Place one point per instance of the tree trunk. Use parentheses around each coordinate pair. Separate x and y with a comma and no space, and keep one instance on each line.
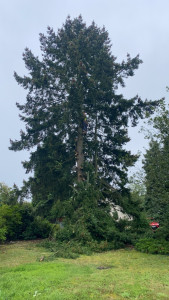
(96,150)
(80,155)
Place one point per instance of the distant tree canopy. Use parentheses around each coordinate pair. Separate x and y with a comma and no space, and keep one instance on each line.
(8,195)
(137,187)
(77,81)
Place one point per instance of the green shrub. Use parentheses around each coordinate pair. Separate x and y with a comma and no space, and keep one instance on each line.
(87,223)
(10,221)
(3,232)
(153,246)
(39,228)
(27,214)
(162,232)
(64,234)
(18,222)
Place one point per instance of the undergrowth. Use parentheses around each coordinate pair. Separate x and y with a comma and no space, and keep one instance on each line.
(74,249)
(153,246)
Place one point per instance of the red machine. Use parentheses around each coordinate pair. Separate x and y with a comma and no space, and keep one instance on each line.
(154,225)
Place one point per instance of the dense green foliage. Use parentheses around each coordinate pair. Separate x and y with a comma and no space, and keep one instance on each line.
(137,187)
(153,246)
(156,169)
(18,219)
(76,125)
(93,226)
(156,182)
(19,222)
(77,74)
(8,195)
(10,220)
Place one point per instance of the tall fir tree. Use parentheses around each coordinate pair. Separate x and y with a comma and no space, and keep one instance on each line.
(156,163)
(77,78)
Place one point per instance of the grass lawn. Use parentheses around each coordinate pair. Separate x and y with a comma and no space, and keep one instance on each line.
(122,274)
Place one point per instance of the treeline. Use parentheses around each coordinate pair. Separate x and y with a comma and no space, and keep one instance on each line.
(151,185)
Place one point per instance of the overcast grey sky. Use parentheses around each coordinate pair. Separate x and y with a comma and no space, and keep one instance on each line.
(134,26)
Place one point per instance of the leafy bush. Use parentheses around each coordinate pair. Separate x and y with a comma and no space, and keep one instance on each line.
(153,246)
(27,214)
(10,221)
(3,232)
(39,228)
(163,231)
(18,222)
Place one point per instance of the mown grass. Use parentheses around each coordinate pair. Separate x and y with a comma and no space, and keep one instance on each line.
(121,274)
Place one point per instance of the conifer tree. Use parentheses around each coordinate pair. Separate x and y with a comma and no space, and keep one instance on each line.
(156,163)
(77,78)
